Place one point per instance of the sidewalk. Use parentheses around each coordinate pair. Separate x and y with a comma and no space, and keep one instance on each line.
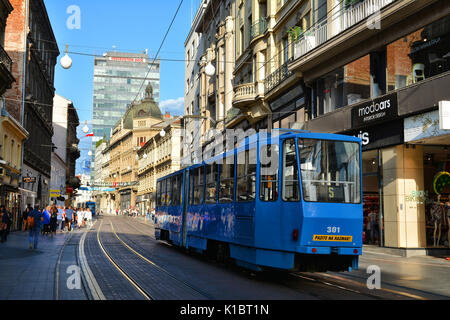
(30,274)
(423,276)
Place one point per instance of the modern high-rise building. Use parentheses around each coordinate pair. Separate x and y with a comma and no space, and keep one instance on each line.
(119,79)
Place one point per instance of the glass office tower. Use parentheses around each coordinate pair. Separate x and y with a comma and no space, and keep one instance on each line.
(118,77)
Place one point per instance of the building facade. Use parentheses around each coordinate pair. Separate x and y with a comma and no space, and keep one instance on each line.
(65,151)
(12,136)
(31,44)
(160,156)
(210,60)
(120,79)
(368,68)
(133,130)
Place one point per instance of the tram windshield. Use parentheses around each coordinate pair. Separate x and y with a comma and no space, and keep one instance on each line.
(330,170)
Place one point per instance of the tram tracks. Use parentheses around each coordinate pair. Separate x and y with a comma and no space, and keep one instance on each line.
(152,281)
(121,245)
(59,274)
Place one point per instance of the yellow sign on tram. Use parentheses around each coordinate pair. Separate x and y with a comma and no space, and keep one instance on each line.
(329,237)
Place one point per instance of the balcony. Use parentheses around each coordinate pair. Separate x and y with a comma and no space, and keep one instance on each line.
(337,24)
(6,77)
(247,93)
(258,28)
(275,78)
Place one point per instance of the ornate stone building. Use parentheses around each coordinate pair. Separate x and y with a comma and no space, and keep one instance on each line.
(133,130)
(31,44)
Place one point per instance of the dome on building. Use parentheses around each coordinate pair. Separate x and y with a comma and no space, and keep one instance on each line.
(144,109)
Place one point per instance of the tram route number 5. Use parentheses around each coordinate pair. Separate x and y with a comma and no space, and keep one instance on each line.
(331,192)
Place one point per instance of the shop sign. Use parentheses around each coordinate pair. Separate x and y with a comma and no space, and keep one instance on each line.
(29,179)
(376,110)
(374,137)
(55,193)
(425,125)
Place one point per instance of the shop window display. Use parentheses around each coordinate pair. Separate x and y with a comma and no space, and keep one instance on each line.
(437,196)
(420,55)
(344,86)
(371,198)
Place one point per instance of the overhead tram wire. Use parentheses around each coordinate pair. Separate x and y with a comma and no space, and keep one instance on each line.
(159,49)
(182,60)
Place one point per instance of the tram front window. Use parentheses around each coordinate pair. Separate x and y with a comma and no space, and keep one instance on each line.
(330,170)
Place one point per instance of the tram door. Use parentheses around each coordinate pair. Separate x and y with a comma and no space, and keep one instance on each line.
(184,203)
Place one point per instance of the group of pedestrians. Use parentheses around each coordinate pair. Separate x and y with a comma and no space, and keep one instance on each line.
(52,219)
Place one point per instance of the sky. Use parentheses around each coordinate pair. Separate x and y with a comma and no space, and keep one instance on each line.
(125,26)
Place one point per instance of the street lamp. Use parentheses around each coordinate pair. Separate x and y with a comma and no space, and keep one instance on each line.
(210,70)
(85,128)
(66,61)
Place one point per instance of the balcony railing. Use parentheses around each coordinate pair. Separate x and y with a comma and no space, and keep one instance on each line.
(258,28)
(246,90)
(275,78)
(336,24)
(5,59)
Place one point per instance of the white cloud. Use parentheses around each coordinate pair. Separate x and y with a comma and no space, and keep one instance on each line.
(174,106)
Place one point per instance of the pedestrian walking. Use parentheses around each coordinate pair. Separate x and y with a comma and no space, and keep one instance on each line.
(53,220)
(76,213)
(59,217)
(3,224)
(46,226)
(88,217)
(69,218)
(80,217)
(35,220)
(9,220)
(25,218)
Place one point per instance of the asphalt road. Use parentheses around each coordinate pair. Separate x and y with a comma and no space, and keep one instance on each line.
(127,263)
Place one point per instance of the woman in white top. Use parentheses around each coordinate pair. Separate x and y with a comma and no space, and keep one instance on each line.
(88,217)
(80,217)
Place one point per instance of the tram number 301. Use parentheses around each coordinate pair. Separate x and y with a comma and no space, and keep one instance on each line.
(333,230)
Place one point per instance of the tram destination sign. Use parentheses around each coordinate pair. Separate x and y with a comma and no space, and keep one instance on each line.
(377,110)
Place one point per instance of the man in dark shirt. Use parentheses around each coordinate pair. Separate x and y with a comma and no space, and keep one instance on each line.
(34,232)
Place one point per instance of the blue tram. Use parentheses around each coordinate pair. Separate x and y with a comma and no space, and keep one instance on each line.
(288,200)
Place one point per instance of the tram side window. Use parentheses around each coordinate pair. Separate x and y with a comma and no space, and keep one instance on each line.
(169,192)
(163,193)
(211,182)
(246,175)
(291,190)
(176,193)
(198,185)
(191,187)
(226,184)
(158,193)
(269,159)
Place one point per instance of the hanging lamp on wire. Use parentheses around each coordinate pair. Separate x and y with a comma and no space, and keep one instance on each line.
(66,61)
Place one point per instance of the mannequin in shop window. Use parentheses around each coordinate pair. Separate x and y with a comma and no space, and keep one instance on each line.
(373,225)
(437,215)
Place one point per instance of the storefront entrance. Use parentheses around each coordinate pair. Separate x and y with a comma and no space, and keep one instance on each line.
(371,198)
